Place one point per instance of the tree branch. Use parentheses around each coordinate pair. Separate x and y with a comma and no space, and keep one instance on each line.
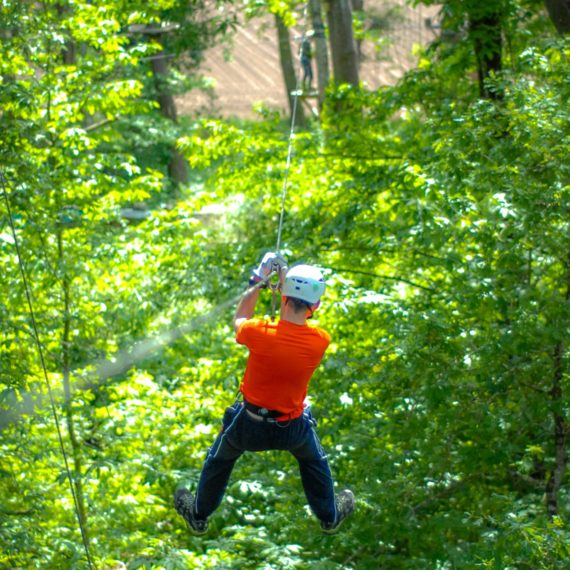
(378,276)
(535,388)
(99,124)
(17,513)
(373,249)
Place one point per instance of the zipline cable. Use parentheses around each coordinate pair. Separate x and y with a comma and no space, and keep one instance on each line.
(291,135)
(27,290)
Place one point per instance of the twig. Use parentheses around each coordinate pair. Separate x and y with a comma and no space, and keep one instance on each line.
(100,124)
(387,277)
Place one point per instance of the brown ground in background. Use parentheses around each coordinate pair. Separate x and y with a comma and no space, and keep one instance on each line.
(253,73)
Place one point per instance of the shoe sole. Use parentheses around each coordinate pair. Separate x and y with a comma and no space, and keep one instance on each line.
(337,527)
(331,531)
(193,531)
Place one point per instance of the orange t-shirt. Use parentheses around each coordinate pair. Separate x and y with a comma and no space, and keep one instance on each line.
(282,359)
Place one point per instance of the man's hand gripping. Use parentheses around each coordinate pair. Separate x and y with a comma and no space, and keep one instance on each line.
(271,264)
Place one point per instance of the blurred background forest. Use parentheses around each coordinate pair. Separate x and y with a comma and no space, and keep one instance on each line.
(431,182)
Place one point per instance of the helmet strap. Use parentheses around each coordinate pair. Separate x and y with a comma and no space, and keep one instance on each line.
(313,308)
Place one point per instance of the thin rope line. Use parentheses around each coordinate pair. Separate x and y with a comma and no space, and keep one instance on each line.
(291,135)
(44,368)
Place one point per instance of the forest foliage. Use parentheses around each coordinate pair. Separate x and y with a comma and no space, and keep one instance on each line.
(438,209)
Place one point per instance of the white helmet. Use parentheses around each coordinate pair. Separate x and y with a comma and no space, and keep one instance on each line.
(304,282)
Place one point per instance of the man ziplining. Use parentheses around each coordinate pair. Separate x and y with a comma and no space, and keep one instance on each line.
(272,415)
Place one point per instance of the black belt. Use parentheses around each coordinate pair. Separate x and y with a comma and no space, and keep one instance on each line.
(263,413)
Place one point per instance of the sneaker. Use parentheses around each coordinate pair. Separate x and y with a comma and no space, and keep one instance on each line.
(184,503)
(344,506)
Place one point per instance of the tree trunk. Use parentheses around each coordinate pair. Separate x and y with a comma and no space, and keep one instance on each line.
(69,50)
(560,428)
(561,457)
(69,57)
(288,67)
(164,97)
(321,52)
(358,6)
(66,372)
(177,167)
(559,11)
(343,46)
(486,33)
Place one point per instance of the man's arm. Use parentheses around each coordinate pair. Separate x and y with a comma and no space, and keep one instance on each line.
(246,307)
(270,264)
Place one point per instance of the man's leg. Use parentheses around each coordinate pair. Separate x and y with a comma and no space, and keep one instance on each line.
(214,478)
(306,73)
(217,468)
(315,472)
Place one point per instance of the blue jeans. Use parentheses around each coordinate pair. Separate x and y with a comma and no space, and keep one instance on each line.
(242,433)
(307,72)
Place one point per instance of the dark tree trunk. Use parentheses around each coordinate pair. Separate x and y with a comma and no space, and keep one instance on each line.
(177,167)
(70,53)
(358,6)
(69,50)
(486,33)
(163,95)
(343,46)
(560,427)
(559,435)
(559,11)
(288,67)
(321,51)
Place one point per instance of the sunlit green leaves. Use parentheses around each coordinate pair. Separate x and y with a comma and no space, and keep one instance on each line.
(441,222)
